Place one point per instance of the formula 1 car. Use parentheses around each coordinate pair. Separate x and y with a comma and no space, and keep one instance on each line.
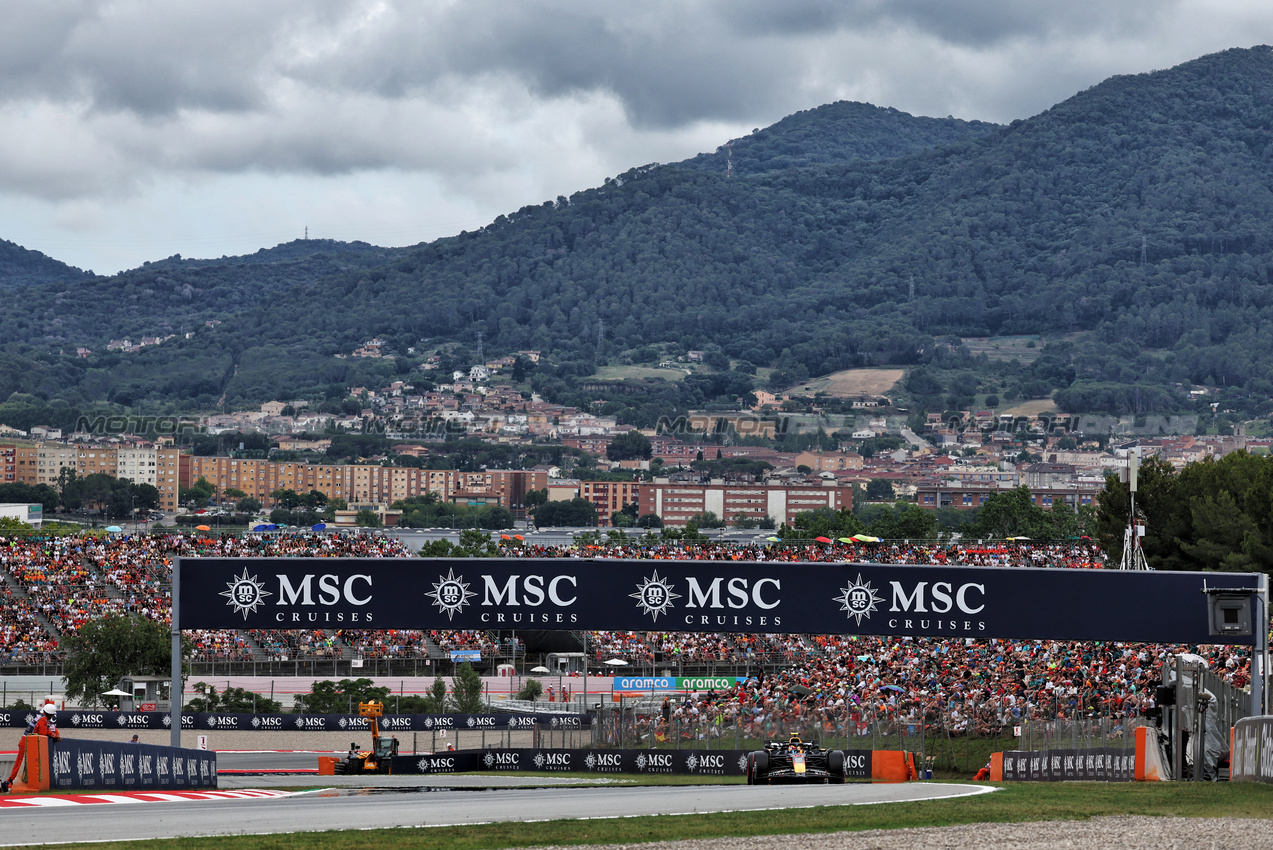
(795,761)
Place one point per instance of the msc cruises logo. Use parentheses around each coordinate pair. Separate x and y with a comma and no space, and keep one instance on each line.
(450,593)
(654,596)
(858,599)
(245,594)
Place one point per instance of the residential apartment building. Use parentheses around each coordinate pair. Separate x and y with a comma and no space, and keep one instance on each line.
(609,497)
(43,464)
(675,502)
(947,494)
(359,483)
(138,465)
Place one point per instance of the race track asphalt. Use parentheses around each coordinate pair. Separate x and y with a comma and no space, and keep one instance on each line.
(334,809)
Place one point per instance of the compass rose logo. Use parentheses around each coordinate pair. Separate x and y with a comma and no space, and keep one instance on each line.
(859,599)
(450,593)
(654,596)
(245,594)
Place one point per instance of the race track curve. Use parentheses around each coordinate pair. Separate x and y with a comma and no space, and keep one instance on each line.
(316,811)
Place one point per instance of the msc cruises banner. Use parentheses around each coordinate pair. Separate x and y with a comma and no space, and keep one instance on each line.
(69,721)
(703,596)
(1098,764)
(677,762)
(102,765)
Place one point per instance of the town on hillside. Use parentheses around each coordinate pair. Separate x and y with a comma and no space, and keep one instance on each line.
(680,473)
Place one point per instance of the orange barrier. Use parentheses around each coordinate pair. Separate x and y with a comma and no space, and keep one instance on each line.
(893,766)
(327,765)
(996,767)
(1149,766)
(36,775)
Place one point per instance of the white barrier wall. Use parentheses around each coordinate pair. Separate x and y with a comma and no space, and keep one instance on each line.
(1252,752)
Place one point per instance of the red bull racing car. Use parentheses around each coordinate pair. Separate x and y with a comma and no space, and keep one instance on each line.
(795,761)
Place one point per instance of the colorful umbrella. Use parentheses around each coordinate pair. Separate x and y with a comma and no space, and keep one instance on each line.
(203,528)
(823,539)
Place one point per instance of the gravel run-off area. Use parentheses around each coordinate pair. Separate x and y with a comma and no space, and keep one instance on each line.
(1124,832)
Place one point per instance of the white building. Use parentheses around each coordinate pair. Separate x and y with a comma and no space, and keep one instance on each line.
(137,465)
(31,514)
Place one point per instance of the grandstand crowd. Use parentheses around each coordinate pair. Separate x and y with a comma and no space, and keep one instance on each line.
(53,585)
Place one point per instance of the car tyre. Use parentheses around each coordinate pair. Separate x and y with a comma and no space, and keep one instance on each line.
(758,768)
(835,767)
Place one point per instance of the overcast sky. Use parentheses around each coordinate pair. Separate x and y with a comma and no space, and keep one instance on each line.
(131,130)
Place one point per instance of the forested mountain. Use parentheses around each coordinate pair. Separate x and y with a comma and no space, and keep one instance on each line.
(1130,226)
(20,266)
(836,133)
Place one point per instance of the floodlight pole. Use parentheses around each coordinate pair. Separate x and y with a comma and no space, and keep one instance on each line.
(175,688)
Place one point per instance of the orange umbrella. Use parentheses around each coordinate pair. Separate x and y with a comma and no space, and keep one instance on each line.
(203,528)
(505,537)
(518,537)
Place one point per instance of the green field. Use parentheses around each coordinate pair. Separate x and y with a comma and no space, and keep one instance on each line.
(1014,803)
(636,373)
(1003,348)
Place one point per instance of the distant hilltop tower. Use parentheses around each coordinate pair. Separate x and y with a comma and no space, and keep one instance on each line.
(481,358)
(729,160)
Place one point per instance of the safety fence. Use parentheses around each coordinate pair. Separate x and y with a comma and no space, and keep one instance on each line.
(944,742)
(1078,734)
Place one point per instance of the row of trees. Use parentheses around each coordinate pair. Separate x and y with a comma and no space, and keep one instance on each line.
(116,498)
(1012,513)
(1211,515)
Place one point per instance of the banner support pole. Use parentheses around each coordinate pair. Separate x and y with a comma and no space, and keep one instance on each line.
(175,690)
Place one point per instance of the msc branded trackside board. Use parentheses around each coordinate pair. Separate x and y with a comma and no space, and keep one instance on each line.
(700,596)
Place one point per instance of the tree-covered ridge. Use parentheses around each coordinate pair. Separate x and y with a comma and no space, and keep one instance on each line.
(1130,226)
(1040,227)
(838,132)
(175,295)
(23,267)
(1211,515)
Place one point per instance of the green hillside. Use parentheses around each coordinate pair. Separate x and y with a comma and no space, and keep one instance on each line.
(1128,227)
(22,267)
(836,133)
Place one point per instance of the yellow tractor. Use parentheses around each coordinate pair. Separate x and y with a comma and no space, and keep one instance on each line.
(379,759)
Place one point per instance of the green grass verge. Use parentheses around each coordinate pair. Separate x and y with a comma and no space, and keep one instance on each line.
(1015,803)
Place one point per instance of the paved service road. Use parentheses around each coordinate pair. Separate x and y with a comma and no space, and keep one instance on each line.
(323,811)
(270,760)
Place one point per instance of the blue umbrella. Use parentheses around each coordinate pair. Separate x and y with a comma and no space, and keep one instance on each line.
(114,529)
(261,527)
(318,527)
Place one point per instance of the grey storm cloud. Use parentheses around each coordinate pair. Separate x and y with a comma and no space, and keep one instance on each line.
(458,110)
(669,63)
(973,23)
